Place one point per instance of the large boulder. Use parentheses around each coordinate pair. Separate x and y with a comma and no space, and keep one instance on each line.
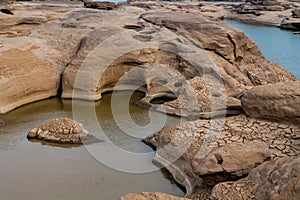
(62,131)
(275,180)
(274,102)
(192,146)
(231,161)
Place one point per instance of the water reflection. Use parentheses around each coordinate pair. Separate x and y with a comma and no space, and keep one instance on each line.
(38,170)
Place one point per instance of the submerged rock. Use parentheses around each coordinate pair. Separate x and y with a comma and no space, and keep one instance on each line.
(64,130)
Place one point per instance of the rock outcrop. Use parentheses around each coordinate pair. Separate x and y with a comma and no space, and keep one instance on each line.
(62,131)
(225,56)
(58,42)
(274,102)
(230,162)
(37,43)
(189,146)
(186,64)
(281,13)
(277,179)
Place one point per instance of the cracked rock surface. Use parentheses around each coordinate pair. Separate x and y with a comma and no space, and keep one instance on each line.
(63,131)
(187,65)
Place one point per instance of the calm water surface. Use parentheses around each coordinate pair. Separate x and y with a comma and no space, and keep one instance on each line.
(280,46)
(35,171)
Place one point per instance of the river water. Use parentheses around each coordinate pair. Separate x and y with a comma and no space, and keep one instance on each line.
(35,170)
(280,46)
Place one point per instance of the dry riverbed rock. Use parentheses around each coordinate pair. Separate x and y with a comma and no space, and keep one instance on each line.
(198,145)
(63,131)
(55,40)
(231,161)
(101,5)
(278,102)
(150,196)
(280,13)
(278,179)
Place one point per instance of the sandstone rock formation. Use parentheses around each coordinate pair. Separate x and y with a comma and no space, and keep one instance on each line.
(58,42)
(35,48)
(186,64)
(276,13)
(150,196)
(276,102)
(225,57)
(231,161)
(63,131)
(277,179)
(185,145)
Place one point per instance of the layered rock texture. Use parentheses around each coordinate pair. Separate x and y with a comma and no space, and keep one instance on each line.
(245,108)
(63,131)
(74,49)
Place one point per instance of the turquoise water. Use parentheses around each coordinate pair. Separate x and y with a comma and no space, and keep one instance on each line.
(279,46)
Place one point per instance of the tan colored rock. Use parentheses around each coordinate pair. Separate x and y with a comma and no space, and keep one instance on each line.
(273,102)
(150,196)
(188,141)
(62,131)
(275,13)
(38,42)
(231,44)
(101,5)
(231,161)
(275,180)
(226,59)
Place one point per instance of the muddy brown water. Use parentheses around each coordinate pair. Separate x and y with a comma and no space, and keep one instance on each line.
(34,170)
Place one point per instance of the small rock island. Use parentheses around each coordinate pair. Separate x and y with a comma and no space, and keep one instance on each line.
(63,131)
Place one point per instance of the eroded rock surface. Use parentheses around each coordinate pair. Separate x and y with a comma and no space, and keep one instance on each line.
(192,141)
(281,13)
(277,179)
(186,64)
(64,131)
(274,102)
